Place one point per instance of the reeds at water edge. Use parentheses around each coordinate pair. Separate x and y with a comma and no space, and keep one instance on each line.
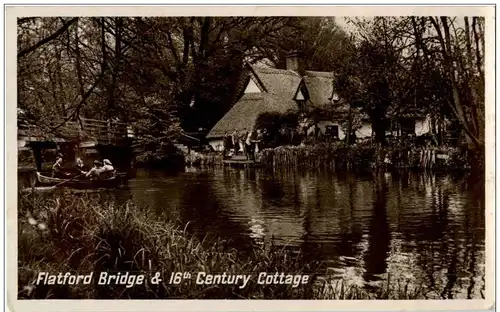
(88,233)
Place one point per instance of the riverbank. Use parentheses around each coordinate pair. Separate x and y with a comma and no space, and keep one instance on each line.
(340,156)
(90,233)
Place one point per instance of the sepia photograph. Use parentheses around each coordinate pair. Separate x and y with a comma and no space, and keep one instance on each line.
(252,157)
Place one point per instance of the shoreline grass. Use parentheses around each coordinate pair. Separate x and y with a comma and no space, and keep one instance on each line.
(83,234)
(340,156)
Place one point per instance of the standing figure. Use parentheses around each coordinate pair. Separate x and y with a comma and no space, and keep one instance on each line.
(258,139)
(227,143)
(249,142)
(241,140)
(235,138)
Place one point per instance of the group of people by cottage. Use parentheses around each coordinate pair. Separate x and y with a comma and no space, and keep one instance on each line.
(100,170)
(242,142)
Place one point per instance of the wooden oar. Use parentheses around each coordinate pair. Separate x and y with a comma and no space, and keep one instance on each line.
(58,184)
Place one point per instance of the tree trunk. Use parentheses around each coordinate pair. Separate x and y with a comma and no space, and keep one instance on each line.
(468,44)
(479,43)
(79,72)
(103,50)
(116,68)
(456,104)
(349,126)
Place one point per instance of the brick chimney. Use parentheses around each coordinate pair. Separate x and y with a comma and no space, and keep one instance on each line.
(295,61)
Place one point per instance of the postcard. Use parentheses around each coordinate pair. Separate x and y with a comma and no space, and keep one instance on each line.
(196,158)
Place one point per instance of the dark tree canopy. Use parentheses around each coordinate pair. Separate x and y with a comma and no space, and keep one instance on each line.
(398,65)
(175,74)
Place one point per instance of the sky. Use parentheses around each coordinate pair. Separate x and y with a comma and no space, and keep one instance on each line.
(341,21)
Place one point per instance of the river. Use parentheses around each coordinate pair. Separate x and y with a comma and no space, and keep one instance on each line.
(418,229)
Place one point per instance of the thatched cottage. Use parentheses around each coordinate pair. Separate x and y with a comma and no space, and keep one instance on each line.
(283,90)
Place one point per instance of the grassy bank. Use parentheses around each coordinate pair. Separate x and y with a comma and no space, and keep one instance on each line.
(85,233)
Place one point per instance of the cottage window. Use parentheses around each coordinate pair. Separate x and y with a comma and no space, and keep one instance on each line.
(332,130)
(407,126)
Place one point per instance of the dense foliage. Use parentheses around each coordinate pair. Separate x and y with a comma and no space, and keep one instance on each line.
(418,65)
(166,75)
(175,73)
(279,129)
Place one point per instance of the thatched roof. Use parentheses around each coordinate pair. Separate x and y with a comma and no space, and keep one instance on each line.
(280,87)
(278,81)
(245,112)
(320,87)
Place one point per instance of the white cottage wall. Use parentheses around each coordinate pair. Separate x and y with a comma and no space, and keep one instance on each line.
(217,144)
(422,126)
(365,131)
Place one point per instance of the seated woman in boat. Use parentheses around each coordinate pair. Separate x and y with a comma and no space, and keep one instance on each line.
(79,165)
(78,169)
(107,171)
(94,173)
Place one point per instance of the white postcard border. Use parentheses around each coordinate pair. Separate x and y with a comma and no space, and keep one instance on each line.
(12,12)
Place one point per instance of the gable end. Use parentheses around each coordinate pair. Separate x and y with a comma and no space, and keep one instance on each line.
(253,86)
(301,94)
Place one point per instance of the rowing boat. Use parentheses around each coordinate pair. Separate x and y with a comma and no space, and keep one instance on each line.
(112,182)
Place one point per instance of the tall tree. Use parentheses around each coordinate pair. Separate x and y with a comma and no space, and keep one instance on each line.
(464,71)
(203,57)
(426,63)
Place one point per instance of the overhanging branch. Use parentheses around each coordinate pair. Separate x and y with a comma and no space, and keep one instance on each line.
(47,39)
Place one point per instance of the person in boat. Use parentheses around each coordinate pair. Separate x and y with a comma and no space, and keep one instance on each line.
(57,166)
(79,166)
(107,171)
(94,173)
(107,165)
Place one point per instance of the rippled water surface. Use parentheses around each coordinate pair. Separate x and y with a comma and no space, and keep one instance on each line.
(418,229)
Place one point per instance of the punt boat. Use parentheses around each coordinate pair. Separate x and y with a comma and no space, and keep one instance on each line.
(81,183)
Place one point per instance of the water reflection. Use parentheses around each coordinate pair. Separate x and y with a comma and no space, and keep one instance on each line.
(414,228)
(379,235)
